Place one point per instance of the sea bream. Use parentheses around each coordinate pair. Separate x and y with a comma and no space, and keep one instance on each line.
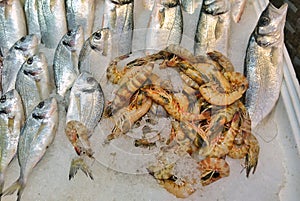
(24,48)
(84,112)
(12,23)
(32,19)
(264,63)
(65,63)
(11,122)
(36,136)
(81,12)
(212,31)
(33,82)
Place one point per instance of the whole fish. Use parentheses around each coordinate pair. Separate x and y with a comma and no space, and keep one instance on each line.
(24,48)
(264,63)
(118,17)
(65,63)
(12,23)
(237,9)
(165,26)
(95,54)
(36,136)
(32,19)
(81,12)
(52,20)
(84,112)
(212,31)
(33,82)
(11,122)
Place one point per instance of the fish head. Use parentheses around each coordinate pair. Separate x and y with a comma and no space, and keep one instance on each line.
(101,40)
(27,46)
(269,28)
(45,109)
(9,101)
(34,65)
(169,3)
(86,83)
(216,7)
(73,40)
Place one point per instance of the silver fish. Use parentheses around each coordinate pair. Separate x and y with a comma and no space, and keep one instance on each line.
(32,20)
(36,136)
(24,48)
(212,31)
(165,26)
(237,9)
(33,82)
(52,20)
(264,63)
(81,12)
(65,62)
(96,53)
(84,112)
(118,17)
(11,122)
(12,23)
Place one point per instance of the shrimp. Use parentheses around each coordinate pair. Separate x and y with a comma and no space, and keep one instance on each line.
(213,169)
(221,59)
(179,189)
(112,72)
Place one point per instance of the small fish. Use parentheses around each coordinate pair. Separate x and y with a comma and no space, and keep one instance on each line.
(81,12)
(11,122)
(264,63)
(52,20)
(237,9)
(212,31)
(65,63)
(36,136)
(24,48)
(32,20)
(84,112)
(118,17)
(12,23)
(165,26)
(33,82)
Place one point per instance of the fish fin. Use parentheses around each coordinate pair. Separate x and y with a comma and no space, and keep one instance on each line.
(78,163)
(17,185)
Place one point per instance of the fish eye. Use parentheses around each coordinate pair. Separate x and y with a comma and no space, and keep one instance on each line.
(65,43)
(22,39)
(3,99)
(41,104)
(264,21)
(69,33)
(98,35)
(29,60)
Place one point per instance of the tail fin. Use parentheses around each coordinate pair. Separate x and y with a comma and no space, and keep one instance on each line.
(18,185)
(79,163)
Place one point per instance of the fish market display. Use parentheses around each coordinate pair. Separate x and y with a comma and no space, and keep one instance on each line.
(65,63)
(36,136)
(264,63)
(24,48)
(237,9)
(11,122)
(32,18)
(81,13)
(33,82)
(52,20)
(118,17)
(12,23)
(165,26)
(213,27)
(84,112)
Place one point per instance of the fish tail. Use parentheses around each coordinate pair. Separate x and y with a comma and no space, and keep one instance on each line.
(18,185)
(79,163)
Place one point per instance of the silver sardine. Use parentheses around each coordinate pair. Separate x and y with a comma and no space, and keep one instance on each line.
(36,136)
(81,12)
(12,23)
(84,112)
(32,20)
(65,63)
(33,82)
(24,48)
(165,26)
(212,31)
(11,122)
(264,63)
(52,20)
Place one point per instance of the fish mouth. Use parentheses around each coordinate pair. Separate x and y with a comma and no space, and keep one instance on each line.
(120,2)
(4,111)
(32,73)
(38,116)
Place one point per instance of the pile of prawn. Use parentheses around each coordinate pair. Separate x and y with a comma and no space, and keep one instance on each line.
(209,121)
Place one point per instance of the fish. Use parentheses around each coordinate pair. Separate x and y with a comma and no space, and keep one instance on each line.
(165,26)
(52,20)
(95,54)
(237,9)
(66,56)
(11,122)
(84,112)
(118,17)
(81,12)
(24,48)
(212,32)
(264,63)
(32,18)
(33,82)
(12,23)
(36,136)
